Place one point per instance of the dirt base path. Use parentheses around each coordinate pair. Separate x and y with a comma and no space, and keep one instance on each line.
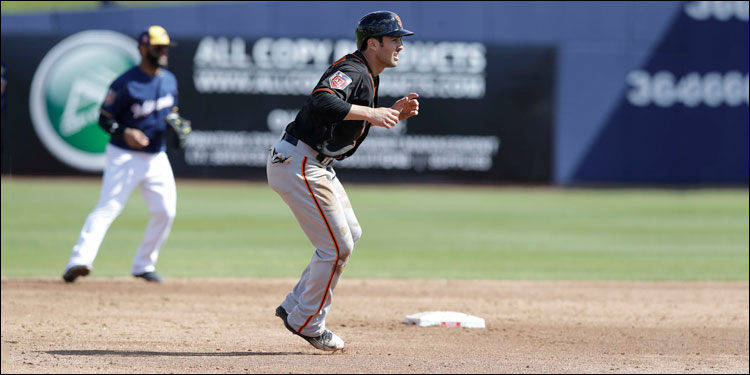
(114,325)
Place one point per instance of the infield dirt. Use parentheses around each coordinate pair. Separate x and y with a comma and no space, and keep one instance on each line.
(119,325)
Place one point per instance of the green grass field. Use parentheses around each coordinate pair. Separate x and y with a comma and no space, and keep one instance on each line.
(245,230)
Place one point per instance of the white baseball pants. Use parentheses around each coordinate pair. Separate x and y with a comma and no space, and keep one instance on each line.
(124,171)
(322,208)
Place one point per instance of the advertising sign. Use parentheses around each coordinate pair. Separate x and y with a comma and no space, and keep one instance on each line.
(485,111)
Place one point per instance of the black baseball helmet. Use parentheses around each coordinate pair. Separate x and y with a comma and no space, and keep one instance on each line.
(380,23)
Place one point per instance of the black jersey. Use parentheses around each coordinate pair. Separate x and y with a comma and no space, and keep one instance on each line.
(320,123)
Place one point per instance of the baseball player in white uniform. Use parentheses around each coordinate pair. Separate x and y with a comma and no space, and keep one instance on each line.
(135,113)
(331,126)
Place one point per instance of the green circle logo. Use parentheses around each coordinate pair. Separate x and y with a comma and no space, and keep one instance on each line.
(68,89)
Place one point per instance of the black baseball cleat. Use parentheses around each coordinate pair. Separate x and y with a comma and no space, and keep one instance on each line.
(327,341)
(152,277)
(73,272)
(281,313)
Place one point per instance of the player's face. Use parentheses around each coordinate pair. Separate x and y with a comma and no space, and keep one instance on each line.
(158,56)
(388,52)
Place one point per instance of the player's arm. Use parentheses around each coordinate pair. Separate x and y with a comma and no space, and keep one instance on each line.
(330,99)
(113,104)
(132,136)
(404,108)
(337,109)
(381,116)
(109,124)
(327,103)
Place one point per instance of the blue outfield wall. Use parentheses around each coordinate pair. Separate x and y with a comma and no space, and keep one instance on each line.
(644,92)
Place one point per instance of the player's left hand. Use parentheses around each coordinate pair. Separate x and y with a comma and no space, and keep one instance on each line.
(180,126)
(407,106)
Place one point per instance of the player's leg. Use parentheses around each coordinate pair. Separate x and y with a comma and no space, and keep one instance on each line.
(306,188)
(279,175)
(160,193)
(351,219)
(355,229)
(120,177)
(292,298)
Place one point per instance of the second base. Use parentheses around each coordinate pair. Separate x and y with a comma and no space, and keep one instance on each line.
(445,319)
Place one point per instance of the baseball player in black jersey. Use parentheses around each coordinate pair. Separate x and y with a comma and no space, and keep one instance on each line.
(331,126)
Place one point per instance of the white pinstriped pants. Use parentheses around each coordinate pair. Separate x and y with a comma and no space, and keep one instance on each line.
(322,208)
(125,170)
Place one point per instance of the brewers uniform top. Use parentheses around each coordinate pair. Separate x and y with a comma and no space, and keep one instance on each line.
(320,123)
(138,100)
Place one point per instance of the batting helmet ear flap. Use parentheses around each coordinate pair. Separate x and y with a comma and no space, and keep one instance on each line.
(380,23)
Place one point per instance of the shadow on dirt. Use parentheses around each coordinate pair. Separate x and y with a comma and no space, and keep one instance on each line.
(141,353)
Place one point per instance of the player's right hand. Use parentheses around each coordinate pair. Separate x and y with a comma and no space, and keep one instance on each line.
(384,117)
(135,138)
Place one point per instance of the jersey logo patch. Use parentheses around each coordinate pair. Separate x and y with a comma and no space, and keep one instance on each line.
(111,95)
(339,80)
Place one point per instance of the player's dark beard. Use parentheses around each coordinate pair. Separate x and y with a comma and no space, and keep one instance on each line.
(154,58)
